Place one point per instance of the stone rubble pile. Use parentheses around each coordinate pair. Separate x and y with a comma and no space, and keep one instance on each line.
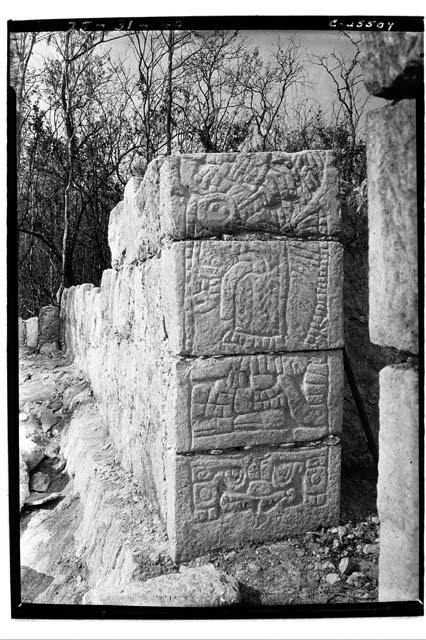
(213,346)
(393,69)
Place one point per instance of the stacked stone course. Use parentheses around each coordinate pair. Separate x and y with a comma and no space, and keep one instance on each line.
(393,68)
(214,344)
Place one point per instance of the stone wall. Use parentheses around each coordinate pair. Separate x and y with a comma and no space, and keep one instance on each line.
(393,69)
(214,344)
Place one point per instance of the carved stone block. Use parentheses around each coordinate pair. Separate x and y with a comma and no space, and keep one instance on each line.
(392,63)
(392,212)
(398,484)
(204,195)
(252,296)
(261,399)
(32,332)
(291,194)
(233,498)
(48,326)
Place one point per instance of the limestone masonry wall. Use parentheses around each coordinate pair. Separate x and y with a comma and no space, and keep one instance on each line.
(393,68)
(214,344)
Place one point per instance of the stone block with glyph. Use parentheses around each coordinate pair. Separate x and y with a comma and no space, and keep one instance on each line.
(219,331)
(294,195)
(253,296)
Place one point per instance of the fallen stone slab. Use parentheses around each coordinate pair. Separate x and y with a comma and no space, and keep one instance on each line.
(392,63)
(36,499)
(31,326)
(35,391)
(203,586)
(398,484)
(229,499)
(203,195)
(392,213)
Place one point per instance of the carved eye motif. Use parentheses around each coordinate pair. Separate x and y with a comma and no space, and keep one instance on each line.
(215,210)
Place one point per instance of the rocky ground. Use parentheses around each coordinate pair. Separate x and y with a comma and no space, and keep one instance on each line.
(338,564)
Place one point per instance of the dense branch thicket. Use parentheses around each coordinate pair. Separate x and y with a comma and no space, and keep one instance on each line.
(90,114)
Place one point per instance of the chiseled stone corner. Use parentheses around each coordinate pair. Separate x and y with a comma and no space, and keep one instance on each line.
(392,63)
(229,499)
(202,195)
(257,400)
(392,212)
(291,194)
(398,484)
(224,298)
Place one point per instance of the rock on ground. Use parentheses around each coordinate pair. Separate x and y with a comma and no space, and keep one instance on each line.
(199,587)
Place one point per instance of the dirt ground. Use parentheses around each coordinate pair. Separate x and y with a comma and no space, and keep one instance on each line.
(335,565)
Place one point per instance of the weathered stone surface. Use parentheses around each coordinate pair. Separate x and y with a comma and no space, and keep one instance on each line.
(392,196)
(252,296)
(48,326)
(24,490)
(262,399)
(202,195)
(22,332)
(398,484)
(39,482)
(35,391)
(198,587)
(31,452)
(32,332)
(229,499)
(392,63)
(48,419)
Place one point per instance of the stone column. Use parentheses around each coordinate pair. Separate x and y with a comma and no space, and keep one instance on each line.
(214,344)
(392,65)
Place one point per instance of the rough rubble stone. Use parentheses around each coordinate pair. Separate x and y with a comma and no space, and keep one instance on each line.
(392,63)
(204,195)
(39,482)
(48,419)
(398,484)
(252,296)
(48,328)
(392,204)
(32,332)
(31,452)
(229,499)
(22,332)
(203,586)
(260,399)
(35,391)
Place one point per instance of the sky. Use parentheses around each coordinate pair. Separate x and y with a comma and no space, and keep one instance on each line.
(319,88)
